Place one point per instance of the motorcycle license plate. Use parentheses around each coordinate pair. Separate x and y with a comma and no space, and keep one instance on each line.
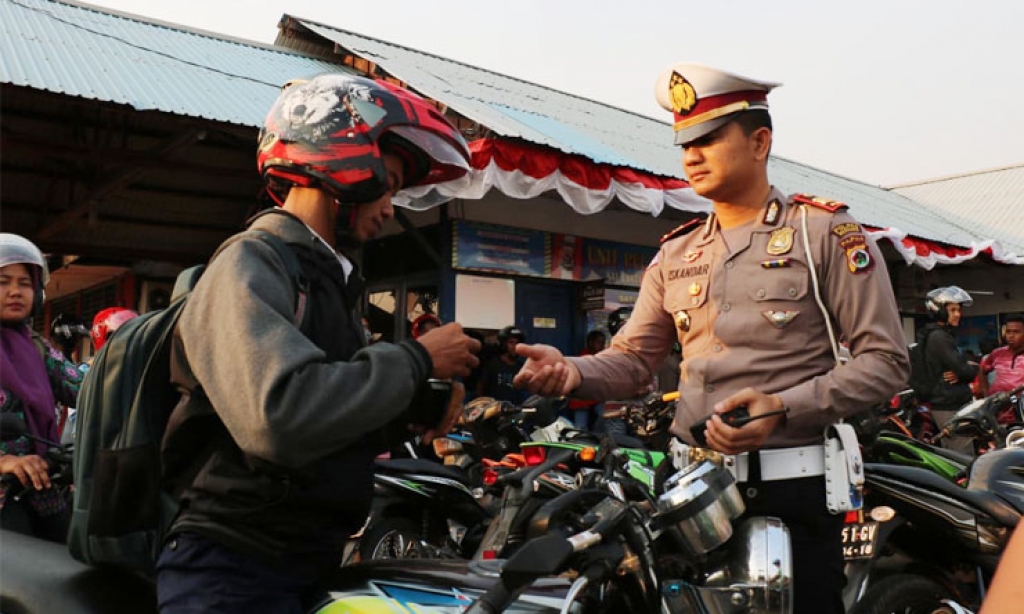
(859,540)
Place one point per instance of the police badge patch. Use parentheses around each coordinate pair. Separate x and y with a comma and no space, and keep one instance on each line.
(781,241)
(858,257)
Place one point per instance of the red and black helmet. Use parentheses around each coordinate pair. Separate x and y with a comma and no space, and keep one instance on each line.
(329,133)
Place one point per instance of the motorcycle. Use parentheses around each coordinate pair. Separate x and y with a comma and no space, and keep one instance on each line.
(612,547)
(58,458)
(425,509)
(923,538)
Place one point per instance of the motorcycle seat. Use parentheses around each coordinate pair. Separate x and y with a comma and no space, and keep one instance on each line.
(40,576)
(989,503)
(422,466)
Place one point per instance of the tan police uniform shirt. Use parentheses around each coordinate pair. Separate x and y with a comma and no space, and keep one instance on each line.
(746,316)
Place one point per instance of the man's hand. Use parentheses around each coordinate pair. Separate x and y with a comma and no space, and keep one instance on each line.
(546,372)
(31,470)
(729,440)
(451,415)
(451,350)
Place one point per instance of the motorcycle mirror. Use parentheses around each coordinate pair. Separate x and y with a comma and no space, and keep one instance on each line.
(12,426)
(545,409)
(543,556)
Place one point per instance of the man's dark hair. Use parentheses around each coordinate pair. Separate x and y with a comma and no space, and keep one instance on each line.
(594,334)
(1014,317)
(749,121)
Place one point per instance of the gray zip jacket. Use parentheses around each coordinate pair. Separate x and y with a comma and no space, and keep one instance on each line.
(292,471)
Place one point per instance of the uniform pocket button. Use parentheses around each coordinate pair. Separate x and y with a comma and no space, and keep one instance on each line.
(709,388)
(761,293)
(792,291)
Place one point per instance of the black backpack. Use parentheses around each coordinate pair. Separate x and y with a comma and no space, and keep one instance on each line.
(121,508)
(922,380)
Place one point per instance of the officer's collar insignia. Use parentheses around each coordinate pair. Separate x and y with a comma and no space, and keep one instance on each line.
(771,214)
(682,94)
(779,319)
(710,225)
(781,241)
(692,256)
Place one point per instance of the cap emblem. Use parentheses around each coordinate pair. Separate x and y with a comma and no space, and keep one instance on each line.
(682,94)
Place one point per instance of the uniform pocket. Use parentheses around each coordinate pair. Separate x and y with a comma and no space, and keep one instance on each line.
(779,285)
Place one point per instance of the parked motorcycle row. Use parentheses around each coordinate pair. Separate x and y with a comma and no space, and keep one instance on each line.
(523,513)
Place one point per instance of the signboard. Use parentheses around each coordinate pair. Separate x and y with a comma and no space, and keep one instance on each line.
(619,264)
(484,302)
(499,249)
(591,295)
(502,249)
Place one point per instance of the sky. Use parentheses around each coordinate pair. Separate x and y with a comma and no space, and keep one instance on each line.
(882,91)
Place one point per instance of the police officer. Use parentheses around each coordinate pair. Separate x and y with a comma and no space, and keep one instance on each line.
(740,291)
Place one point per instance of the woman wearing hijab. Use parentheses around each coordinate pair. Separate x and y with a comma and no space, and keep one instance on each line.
(34,377)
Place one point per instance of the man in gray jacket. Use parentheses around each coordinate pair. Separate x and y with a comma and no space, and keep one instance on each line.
(273,442)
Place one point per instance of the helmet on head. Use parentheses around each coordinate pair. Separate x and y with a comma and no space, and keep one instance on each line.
(618,318)
(511,331)
(16,249)
(419,323)
(331,132)
(66,330)
(107,321)
(938,299)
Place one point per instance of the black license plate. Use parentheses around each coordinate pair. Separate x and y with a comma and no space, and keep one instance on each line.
(859,540)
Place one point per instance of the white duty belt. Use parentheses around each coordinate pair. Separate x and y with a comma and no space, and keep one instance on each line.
(776,464)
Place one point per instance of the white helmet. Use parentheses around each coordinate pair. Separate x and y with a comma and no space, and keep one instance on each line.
(938,298)
(16,249)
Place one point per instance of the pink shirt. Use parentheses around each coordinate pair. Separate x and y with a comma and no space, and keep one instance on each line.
(1009,368)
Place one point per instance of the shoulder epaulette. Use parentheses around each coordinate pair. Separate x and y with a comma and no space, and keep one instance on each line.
(683,229)
(817,201)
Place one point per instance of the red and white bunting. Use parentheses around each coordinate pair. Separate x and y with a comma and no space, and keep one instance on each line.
(524,170)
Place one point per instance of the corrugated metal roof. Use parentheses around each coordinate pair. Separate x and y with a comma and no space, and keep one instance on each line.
(991,199)
(515,108)
(82,51)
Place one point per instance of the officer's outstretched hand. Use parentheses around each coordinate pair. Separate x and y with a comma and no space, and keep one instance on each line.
(546,372)
(729,440)
(451,350)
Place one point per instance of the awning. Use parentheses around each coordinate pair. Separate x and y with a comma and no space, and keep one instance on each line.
(926,254)
(524,170)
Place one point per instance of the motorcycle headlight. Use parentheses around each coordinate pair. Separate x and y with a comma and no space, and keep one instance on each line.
(758,575)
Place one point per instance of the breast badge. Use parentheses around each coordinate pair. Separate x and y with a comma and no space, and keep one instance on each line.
(776,263)
(682,320)
(781,241)
(858,257)
(779,319)
(694,289)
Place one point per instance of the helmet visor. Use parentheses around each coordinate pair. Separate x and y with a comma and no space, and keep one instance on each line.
(447,160)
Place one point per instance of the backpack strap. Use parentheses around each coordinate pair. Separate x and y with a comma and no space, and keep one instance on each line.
(291,264)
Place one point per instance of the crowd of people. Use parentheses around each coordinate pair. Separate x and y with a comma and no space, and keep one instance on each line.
(303,407)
